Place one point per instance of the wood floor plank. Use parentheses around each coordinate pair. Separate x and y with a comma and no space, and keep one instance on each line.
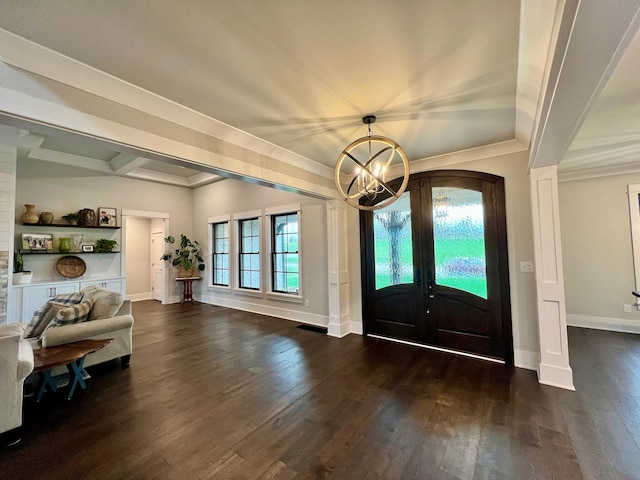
(217,393)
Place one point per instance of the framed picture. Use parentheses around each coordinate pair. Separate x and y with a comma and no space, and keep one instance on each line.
(107,217)
(37,241)
(87,248)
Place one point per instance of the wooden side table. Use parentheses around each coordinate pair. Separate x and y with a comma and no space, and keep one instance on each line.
(70,354)
(187,288)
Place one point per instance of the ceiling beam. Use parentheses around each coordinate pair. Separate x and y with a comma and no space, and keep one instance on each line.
(123,163)
(592,39)
(151,176)
(69,159)
(539,23)
(202,178)
(28,56)
(18,137)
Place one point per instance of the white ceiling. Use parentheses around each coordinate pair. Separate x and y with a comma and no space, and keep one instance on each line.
(441,76)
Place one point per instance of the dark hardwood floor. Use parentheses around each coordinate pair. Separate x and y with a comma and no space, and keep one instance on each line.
(216,393)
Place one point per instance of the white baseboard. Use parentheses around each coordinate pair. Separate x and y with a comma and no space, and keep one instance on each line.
(603,323)
(527,360)
(173,299)
(560,377)
(269,310)
(338,331)
(356,327)
(137,297)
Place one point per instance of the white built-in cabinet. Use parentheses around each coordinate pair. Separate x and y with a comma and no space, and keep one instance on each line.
(27,299)
(104,270)
(33,297)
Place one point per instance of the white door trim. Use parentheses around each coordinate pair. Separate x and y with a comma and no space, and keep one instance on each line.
(128,213)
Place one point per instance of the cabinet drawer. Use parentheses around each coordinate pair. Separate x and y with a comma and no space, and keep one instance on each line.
(115,285)
(35,297)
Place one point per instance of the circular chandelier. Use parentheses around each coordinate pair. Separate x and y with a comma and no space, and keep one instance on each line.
(367,178)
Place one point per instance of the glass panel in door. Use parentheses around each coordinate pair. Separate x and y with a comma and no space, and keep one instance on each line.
(458,238)
(392,243)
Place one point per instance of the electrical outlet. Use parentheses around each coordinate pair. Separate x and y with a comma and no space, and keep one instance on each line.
(526,267)
(626,308)
(306,302)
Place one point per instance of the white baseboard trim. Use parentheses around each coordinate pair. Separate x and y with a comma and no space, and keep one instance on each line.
(338,330)
(560,377)
(137,297)
(271,311)
(526,359)
(173,299)
(603,323)
(356,327)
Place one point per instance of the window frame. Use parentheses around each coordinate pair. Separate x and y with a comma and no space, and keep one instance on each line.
(270,213)
(212,222)
(237,220)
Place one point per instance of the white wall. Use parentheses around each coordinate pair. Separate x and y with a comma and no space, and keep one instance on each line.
(513,167)
(138,258)
(60,189)
(232,196)
(596,245)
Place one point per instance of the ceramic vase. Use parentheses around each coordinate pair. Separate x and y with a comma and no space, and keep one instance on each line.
(65,244)
(46,218)
(30,216)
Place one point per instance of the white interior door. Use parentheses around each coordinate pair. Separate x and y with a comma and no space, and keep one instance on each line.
(157,266)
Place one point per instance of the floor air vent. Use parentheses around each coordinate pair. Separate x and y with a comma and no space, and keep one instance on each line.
(313,328)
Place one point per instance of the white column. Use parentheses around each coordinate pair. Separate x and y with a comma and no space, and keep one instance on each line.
(338,268)
(7,227)
(554,366)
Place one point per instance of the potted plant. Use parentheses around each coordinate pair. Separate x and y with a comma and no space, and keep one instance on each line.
(20,275)
(72,218)
(186,257)
(105,245)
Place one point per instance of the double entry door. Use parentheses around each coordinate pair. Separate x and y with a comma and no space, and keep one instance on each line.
(434,265)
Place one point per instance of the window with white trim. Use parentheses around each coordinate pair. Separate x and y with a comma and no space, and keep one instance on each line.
(285,254)
(220,253)
(249,253)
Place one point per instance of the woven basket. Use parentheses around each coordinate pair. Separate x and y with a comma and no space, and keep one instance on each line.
(182,273)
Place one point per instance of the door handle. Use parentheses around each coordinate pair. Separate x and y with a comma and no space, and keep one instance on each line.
(430,284)
(418,278)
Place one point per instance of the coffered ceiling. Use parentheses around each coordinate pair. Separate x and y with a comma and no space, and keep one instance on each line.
(441,77)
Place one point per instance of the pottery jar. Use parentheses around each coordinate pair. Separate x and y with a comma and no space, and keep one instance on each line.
(30,216)
(46,218)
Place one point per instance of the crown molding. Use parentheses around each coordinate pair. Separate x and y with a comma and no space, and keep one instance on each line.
(597,172)
(472,154)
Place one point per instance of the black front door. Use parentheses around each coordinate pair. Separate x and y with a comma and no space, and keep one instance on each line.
(435,266)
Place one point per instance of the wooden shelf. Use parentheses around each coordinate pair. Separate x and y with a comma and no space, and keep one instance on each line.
(55,252)
(67,225)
